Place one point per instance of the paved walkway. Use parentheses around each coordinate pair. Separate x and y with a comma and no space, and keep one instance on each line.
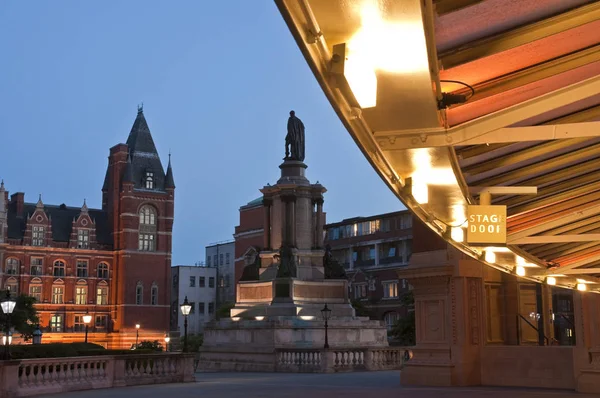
(285,385)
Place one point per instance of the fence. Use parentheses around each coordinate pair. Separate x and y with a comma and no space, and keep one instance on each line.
(29,377)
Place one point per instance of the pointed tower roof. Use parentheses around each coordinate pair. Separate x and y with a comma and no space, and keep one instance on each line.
(128,175)
(84,208)
(39,204)
(143,154)
(106,178)
(169,182)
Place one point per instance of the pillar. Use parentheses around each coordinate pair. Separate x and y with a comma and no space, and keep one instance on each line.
(587,350)
(319,229)
(449,301)
(267,224)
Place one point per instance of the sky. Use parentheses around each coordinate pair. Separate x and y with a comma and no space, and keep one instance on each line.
(217,80)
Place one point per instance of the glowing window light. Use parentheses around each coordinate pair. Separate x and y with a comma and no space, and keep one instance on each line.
(457,234)
(551,280)
(520,270)
(420,192)
(490,256)
(582,287)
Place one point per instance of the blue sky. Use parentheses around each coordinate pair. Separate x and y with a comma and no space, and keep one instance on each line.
(217,80)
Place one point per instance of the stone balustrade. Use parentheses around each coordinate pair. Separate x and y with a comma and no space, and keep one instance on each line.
(29,377)
(339,359)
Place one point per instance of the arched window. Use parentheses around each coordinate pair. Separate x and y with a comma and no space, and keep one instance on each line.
(149,179)
(35,289)
(102,293)
(81,291)
(12,266)
(147,231)
(102,271)
(390,319)
(58,292)
(154,294)
(59,269)
(139,293)
(12,285)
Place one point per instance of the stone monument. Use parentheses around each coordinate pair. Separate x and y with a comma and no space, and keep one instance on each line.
(281,294)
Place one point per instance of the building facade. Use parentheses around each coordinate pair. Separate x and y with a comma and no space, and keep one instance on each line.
(113,262)
(222,256)
(249,236)
(199,285)
(372,249)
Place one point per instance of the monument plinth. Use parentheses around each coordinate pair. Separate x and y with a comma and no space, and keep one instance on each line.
(282,292)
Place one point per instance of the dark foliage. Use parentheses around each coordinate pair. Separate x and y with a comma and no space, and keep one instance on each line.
(24,317)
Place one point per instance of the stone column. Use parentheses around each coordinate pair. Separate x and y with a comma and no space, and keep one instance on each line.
(319,231)
(449,296)
(587,350)
(267,224)
(284,221)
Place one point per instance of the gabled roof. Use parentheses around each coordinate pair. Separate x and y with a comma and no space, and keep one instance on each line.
(144,156)
(62,221)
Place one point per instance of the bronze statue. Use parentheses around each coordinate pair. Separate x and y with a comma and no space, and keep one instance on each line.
(294,140)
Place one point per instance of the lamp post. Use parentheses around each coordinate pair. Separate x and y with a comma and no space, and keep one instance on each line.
(37,335)
(185,310)
(87,318)
(326,313)
(8,306)
(137,334)
(167,339)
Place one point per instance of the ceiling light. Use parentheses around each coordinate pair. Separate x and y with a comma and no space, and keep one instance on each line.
(490,256)
(457,234)
(420,192)
(551,280)
(520,270)
(582,287)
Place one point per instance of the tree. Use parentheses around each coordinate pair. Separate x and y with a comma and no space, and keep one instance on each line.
(24,317)
(404,331)
(359,308)
(150,345)
(194,342)
(224,310)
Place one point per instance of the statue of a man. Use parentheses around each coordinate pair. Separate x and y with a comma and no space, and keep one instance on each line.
(294,140)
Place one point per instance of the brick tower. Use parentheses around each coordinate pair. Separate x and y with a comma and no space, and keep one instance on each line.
(138,197)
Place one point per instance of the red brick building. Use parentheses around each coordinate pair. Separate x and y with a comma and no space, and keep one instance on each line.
(112,262)
(249,235)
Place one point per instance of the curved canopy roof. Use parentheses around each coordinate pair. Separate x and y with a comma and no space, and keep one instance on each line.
(468,96)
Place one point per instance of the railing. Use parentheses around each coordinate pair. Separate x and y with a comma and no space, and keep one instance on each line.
(55,375)
(339,360)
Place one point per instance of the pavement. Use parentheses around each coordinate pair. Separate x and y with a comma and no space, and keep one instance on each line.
(292,385)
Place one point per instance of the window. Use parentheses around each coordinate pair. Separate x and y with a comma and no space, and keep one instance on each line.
(404,283)
(192,307)
(12,286)
(192,281)
(211,308)
(201,281)
(211,282)
(12,266)
(83,239)
(102,271)
(56,323)
(59,268)
(78,324)
(147,232)
(390,319)
(139,293)
(221,259)
(35,291)
(58,294)
(37,235)
(201,307)
(360,291)
(80,295)
(154,295)
(372,284)
(82,269)
(149,179)
(390,289)
(216,261)
(226,258)
(102,293)
(101,321)
(208,258)
(37,266)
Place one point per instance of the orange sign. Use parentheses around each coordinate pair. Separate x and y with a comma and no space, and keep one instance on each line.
(487,224)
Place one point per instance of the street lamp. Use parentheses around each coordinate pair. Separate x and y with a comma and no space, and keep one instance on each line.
(37,335)
(326,313)
(167,339)
(8,306)
(185,310)
(137,334)
(87,318)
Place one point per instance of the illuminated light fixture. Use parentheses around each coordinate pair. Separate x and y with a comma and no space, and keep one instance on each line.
(358,78)
(582,287)
(307,317)
(520,270)
(551,280)
(490,256)
(259,318)
(520,261)
(457,234)
(497,249)
(420,192)
(235,318)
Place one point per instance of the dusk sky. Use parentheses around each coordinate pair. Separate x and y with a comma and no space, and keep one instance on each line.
(217,80)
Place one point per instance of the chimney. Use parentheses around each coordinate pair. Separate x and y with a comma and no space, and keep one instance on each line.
(18,199)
